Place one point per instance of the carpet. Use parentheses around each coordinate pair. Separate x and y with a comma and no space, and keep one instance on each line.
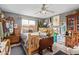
(60,53)
(17,50)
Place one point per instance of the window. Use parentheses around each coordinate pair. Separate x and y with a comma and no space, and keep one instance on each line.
(24,22)
(28,25)
(31,22)
(28,22)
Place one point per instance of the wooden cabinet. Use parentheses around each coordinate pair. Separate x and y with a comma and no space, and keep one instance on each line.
(15,38)
(73,22)
(73,26)
(77,21)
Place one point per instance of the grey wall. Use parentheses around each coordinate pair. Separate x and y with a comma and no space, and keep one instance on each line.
(62,20)
(18,18)
(63,16)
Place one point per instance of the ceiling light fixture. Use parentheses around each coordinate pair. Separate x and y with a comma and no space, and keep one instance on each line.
(43,12)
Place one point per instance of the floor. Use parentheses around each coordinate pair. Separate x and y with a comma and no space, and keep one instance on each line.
(18,50)
(58,47)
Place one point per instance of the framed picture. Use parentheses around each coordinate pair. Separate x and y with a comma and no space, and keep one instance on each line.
(56,20)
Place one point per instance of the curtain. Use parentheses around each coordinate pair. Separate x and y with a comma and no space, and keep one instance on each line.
(1,30)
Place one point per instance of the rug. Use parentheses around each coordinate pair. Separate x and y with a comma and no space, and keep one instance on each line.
(17,50)
(60,53)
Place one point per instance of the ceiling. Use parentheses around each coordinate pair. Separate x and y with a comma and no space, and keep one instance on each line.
(32,9)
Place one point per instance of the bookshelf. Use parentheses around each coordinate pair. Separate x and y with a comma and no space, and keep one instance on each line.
(73,22)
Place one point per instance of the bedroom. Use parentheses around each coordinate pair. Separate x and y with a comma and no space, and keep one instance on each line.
(34,27)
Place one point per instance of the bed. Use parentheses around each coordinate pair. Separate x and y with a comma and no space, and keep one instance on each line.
(30,41)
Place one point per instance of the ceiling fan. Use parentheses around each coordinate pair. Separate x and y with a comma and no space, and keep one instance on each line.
(44,10)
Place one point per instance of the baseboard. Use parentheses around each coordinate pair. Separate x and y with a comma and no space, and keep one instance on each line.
(17,44)
(24,49)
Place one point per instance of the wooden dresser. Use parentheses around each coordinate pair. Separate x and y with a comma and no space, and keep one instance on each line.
(15,38)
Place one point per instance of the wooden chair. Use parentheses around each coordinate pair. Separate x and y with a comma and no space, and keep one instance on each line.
(33,43)
(7,47)
(72,40)
(75,35)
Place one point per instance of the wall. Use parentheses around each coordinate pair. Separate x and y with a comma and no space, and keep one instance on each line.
(62,26)
(63,16)
(62,20)
(18,18)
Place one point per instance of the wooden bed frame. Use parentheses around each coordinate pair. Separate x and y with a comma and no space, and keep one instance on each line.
(45,43)
(33,43)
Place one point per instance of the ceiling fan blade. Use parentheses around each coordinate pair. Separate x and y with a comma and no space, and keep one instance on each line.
(37,12)
(50,11)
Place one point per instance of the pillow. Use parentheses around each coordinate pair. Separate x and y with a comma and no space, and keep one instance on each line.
(24,30)
(43,34)
(35,33)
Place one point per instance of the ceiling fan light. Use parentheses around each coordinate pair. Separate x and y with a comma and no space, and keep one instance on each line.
(43,12)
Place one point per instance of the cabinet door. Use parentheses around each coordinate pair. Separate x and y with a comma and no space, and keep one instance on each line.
(78,23)
(71,23)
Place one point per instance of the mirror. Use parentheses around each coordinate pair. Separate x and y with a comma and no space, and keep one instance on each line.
(10,25)
(1,32)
